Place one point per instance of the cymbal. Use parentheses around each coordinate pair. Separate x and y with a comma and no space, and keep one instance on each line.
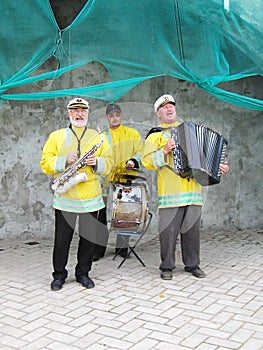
(124,174)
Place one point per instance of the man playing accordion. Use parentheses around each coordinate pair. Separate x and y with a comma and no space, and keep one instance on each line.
(179,198)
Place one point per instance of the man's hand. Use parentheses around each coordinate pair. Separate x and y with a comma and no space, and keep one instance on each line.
(72,157)
(169,146)
(91,160)
(224,168)
(130,164)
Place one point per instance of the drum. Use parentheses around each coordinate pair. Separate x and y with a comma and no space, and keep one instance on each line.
(127,206)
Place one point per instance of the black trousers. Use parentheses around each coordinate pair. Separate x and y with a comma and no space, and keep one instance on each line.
(65,224)
(102,234)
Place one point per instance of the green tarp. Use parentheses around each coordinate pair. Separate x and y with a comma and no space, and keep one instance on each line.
(205,42)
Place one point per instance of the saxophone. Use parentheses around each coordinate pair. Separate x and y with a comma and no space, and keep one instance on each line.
(70,176)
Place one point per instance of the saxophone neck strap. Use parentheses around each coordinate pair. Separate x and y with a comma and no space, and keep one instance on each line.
(78,139)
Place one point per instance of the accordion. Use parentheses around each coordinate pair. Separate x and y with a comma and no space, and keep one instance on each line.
(199,152)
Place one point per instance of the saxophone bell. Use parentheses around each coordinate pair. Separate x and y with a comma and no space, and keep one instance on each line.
(60,188)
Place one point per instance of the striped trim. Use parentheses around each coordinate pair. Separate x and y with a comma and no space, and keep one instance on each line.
(179,200)
(105,191)
(68,137)
(101,165)
(78,206)
(108,135)
(158,159)
(138,157)
(60,163)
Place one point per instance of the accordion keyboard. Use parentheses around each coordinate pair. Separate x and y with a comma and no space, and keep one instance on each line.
(200,152)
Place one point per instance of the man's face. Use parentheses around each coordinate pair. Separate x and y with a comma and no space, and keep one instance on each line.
(114,119)
(167,113)
(78,117)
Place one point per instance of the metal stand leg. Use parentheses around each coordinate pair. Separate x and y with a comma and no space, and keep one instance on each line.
(132,249)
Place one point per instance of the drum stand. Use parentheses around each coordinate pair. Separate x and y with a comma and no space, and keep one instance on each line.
(131,248)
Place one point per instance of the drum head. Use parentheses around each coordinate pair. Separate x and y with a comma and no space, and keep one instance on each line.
(127,206)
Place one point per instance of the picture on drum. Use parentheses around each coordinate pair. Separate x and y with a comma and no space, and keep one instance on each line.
(129,194)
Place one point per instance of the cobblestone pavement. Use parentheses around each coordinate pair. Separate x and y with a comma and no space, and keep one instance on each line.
(131,308)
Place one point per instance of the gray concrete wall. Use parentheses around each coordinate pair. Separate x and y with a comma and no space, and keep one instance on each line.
(25,199)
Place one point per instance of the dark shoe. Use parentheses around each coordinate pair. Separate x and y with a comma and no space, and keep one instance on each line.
(124,255)
(57,284)
(85,281)
(197,272)
(167,274)
(123,252)
(97,258)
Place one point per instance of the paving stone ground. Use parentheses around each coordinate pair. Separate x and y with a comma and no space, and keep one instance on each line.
(131,308)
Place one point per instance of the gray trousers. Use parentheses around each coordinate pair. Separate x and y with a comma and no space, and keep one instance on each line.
(186,221)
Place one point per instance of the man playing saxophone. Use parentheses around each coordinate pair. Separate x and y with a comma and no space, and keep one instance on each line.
(75,152)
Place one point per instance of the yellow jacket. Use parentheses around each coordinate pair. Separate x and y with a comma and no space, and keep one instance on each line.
(173,190)
(126,143)
(85,196)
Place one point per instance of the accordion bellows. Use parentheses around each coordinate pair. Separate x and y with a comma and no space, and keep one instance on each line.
(199,153)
